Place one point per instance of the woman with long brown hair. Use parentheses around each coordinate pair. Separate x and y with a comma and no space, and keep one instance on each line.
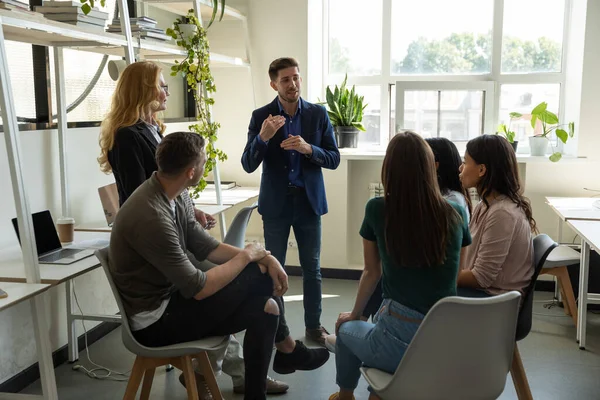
(412,238)
(501,256)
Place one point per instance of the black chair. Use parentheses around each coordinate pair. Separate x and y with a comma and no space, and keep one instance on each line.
(542,247)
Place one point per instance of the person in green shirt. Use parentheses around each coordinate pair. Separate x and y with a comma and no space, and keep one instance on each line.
(412,239)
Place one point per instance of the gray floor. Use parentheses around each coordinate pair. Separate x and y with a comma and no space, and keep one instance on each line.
(555,366)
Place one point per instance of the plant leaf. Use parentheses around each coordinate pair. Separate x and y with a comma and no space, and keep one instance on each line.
(86,8)
(501,128)
(533,120)
(562,135)
(222,10)
(214,13)
(571,129)
(555,157)
(548,117)
(514,115)
(539,108)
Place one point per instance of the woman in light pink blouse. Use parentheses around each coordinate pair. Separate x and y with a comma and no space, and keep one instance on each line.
(500,258)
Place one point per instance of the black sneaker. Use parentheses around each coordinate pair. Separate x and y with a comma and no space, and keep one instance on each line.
(302,359)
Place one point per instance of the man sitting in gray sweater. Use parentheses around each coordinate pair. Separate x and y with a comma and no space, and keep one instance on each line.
(168,300)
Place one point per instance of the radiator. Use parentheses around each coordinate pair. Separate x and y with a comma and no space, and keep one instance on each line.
(375,190)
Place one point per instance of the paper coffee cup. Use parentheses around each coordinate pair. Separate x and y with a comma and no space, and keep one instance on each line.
(66,228)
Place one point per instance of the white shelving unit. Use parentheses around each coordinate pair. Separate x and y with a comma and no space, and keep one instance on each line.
(33,28)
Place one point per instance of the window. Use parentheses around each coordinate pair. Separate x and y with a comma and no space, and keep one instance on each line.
(436,72)
(425,42)
(347,50)
(457,111)
(532,44)
(20,68)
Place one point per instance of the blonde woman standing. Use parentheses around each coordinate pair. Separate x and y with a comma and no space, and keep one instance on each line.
(129,136)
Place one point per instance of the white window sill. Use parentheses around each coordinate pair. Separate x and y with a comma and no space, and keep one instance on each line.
(374,154)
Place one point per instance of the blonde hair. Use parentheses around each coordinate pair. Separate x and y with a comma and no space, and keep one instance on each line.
(137,92)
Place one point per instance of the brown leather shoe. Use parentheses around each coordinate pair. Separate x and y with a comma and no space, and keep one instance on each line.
(318,335)
(203,390)
(273,387)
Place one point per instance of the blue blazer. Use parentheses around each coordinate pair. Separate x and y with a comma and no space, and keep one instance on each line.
(318,132)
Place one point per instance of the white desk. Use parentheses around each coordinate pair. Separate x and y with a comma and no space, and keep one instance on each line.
(18,292)
(589,231)
(583,217)
(579,208)
(12,270)
(102,227)
(229,197)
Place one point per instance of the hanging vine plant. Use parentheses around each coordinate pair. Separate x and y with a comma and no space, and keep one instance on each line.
(195,68)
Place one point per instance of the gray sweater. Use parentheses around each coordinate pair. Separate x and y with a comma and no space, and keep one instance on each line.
(148,245)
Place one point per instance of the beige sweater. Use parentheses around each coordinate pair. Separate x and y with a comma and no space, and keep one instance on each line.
(501,254)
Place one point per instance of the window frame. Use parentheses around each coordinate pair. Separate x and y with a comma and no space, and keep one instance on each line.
(488,88)
(421,82)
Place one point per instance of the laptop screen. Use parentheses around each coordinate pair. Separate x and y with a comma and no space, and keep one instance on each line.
(46,237)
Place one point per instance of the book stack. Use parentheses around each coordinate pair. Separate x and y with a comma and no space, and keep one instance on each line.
(70,12)
(143,27)
(13,5)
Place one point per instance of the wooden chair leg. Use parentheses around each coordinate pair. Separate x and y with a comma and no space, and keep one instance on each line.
(569,297)
(147,385)
(209,375)
(190,378)
(134,379)
(517,372)
(563,296)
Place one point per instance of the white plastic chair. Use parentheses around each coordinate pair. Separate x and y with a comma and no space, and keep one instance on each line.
(148,358)
(462,351)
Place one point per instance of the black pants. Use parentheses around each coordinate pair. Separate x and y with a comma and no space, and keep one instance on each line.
(238,306)
(374,302)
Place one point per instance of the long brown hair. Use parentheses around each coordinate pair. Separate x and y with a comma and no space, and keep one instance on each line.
(502,172)
(136,93)
(417,218)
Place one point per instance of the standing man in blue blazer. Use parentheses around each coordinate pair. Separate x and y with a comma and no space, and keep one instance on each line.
(294,140)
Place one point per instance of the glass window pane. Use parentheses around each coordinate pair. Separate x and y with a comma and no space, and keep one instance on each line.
(421,112)
(448,41)
(522,99)
(532,36)
(461,114)
(79,69)
(20,68)
(371,115)
(355,37)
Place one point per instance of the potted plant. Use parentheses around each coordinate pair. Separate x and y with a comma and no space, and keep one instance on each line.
(195,69)
(345,109)
(508,133)
(538,143)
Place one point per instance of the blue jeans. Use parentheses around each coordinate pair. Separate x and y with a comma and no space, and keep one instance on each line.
(298,214)
(380,345)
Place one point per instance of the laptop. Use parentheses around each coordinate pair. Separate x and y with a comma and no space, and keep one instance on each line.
(109,197)
(49,249)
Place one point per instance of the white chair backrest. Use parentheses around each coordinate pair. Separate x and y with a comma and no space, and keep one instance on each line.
(236,234)
(130,343)
(462,350)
